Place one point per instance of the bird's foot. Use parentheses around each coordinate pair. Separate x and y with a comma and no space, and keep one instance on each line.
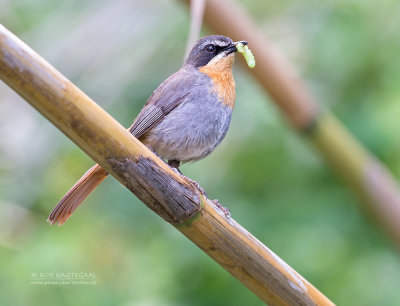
(174,164)
(177,171)
(224,209)
(196,184)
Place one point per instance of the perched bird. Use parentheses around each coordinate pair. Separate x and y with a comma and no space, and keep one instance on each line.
(185,118)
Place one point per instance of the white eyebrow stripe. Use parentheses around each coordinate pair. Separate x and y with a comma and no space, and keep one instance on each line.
(219,43)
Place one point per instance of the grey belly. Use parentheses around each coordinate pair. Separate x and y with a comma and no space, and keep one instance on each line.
(190,132)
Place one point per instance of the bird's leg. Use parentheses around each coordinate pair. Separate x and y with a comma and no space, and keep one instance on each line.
(174,164)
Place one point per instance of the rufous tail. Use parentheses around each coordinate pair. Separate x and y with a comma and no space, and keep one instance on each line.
(75,196)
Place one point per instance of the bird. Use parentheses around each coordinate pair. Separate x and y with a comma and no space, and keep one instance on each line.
(184,120)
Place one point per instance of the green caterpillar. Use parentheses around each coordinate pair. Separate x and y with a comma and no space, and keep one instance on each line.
(248,56)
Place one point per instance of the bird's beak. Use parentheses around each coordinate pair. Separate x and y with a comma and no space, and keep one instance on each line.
(232,47)
(238,42)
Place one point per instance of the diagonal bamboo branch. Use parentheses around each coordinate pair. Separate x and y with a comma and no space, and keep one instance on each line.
(365,175)
(149,178)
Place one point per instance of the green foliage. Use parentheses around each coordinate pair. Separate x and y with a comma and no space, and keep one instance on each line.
(274,184)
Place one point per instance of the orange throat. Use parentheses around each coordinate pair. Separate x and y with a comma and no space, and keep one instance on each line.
(220,72)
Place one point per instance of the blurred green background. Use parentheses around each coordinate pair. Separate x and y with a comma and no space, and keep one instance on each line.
(274,183)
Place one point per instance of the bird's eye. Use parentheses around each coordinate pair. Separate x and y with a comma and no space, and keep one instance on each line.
(210,48)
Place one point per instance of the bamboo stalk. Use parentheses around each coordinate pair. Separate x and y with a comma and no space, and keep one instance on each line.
(170,195)
(366,176)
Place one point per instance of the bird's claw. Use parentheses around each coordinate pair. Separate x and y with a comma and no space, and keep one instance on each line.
(197,185)
(224,209)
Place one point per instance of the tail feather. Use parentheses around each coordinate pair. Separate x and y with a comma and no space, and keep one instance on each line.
(75,196)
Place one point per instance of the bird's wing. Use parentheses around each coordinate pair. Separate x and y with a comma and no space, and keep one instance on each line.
(172,92)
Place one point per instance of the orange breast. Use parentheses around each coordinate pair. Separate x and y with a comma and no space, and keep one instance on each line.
(220,73)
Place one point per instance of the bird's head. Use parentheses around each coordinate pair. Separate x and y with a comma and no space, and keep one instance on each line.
(215,51)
